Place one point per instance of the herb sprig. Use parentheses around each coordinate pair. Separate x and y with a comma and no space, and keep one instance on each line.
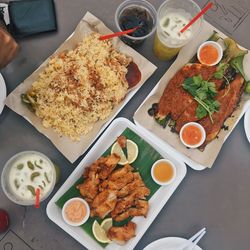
(204,93)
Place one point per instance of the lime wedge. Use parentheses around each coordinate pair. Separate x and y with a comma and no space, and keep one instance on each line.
(132,150)
(116,148)
(100,233)
(107,224)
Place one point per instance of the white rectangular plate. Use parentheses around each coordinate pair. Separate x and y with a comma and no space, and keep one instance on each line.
(156,203)
(197,162)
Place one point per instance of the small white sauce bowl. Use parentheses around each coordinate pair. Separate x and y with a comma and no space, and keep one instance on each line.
(75,224)
(200,128)
(174,172)
(215,45)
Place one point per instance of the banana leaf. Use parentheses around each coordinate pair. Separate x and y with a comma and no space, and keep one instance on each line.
(146,158)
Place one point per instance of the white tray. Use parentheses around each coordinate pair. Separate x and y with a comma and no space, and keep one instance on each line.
(194,165)
(184,57)
(157,201)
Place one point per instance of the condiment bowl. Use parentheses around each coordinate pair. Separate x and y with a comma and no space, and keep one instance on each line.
(71,223)
(216,46)
(171,164)
(200,127)
(5,178)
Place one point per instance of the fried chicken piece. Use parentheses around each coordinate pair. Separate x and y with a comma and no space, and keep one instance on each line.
(137,182)
(121,235)
(130,200)
(140,209)
(120,173)
(104,203)
(119,183)
(89,188)
(123,205)
(122,141)
(118,178)
(107,165)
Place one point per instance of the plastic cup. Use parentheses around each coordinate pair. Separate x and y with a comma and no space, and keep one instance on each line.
(139,4)
(5,179)
(165,45)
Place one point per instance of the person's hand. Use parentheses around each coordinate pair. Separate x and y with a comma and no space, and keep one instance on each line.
(8,48)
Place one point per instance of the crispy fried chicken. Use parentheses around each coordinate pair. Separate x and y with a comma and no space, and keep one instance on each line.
(122,141)
(104,203)
(122,234)
(118,178)
(119,192)
(140,209)
(94,174)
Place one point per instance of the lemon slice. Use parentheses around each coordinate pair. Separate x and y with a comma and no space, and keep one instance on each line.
(132,150)
(100,233)
(107,224)
(116,148)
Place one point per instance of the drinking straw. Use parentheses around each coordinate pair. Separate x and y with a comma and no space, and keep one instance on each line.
(37,204)
(118,34)
(201,13)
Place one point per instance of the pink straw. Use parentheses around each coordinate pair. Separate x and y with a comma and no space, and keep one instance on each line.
(118,34)
(37,204)
(203,11)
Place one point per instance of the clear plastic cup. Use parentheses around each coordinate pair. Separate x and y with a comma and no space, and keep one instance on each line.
(6,173)
(166,45)
(139,4)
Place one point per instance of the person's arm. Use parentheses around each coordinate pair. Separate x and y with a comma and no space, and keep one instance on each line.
(8,46)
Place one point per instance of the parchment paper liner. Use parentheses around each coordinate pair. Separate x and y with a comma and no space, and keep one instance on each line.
(72,150)
(208,156)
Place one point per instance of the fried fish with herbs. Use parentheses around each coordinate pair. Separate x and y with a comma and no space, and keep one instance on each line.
(204,94)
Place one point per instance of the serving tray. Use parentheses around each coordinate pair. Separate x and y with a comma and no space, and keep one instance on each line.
(156,202)
(193,157)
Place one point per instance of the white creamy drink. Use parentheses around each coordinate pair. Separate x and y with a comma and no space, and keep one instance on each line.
(171,25)
(29,172)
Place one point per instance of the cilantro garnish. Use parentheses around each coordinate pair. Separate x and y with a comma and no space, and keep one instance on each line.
(204,93)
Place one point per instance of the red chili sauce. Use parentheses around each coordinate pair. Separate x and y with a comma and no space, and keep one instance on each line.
(133,75)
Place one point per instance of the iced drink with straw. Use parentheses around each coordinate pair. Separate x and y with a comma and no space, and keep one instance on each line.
(174,15)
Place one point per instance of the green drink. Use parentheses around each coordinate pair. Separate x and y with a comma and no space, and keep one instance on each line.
(162,51)
(172,16)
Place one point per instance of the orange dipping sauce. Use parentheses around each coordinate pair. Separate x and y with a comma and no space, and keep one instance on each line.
(191,135)
(208,54)
(163,171)
(75,211)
